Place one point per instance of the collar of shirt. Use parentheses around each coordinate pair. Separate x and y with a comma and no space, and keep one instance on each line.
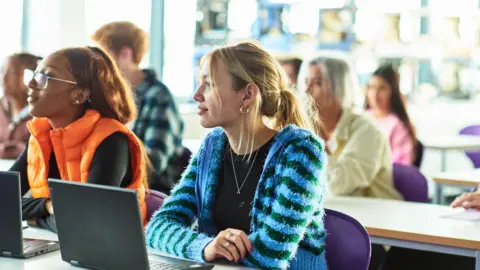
(342,131)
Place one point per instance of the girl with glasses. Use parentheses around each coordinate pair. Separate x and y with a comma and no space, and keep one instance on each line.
(80,104)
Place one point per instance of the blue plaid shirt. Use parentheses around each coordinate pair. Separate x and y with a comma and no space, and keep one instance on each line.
(159,124)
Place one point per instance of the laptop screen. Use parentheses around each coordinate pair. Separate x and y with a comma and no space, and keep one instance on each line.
(11,239)
(99,226)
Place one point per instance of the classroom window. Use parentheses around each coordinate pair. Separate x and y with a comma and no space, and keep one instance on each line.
(297,22)
(389,5)
(56,24)
(178,67)
(241,16)
(328,4)
(11,18)
(98,13)
(368,25)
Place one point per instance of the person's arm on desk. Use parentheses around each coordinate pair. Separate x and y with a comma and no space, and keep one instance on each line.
(46,222)
(230,244)
(169,229)
(468,200)
(34,207)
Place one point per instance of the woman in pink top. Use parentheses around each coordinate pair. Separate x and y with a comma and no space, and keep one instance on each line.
(385,103)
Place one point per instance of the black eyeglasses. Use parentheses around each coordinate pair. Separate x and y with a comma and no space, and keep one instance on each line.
(41,79)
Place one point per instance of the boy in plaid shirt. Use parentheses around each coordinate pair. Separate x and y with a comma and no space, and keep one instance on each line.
(158,123)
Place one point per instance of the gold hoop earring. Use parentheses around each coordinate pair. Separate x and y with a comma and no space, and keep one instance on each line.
(244,110)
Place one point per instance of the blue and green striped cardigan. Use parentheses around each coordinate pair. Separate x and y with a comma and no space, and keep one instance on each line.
(287,213)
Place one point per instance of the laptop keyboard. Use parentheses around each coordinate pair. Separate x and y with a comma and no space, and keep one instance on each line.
(27,246)
(164,266)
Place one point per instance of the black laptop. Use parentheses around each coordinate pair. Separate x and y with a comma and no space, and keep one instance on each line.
(12,243)
(100,227)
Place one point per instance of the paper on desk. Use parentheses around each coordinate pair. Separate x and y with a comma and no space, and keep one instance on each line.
(462,214)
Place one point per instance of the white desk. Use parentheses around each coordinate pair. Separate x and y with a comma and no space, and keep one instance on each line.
(467,179)
(53,260)
(412,225)
(445,143)
(5,164)
(454,142)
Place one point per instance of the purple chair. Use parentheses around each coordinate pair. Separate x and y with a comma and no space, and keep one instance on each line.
(154,200)
(473,155)
(410,182)
(348,243)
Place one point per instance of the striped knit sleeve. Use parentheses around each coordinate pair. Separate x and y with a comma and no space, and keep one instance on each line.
(299,191)
(169,229)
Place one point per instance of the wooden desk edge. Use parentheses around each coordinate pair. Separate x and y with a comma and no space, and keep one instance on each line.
(428,239)
(456,182)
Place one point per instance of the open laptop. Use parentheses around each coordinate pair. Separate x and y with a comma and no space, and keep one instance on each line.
(100,227)
(12,243)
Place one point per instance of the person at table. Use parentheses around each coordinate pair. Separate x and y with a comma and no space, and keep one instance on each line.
(13,105)
(158,124)
(255,186)
(359,163)
(80,104)
(384,103)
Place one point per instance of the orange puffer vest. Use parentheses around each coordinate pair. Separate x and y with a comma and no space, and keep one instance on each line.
(74,148)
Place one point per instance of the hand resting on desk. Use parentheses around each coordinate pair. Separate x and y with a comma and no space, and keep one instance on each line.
(468,200)
(231,244)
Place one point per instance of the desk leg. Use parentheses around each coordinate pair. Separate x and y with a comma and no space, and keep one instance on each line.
(477,260)
(444,161)
(438,195)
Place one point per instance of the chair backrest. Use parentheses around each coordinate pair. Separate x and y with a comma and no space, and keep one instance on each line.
(348,243)
(410,182)
(184,159)
(473,155)
(154,200)
(418,154)
(165,181)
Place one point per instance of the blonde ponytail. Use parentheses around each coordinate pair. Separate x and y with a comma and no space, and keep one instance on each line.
(292,110)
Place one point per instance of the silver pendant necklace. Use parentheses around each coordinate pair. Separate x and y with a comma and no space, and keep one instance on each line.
(239,187)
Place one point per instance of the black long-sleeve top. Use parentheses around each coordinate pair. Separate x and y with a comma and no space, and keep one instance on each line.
(110,166)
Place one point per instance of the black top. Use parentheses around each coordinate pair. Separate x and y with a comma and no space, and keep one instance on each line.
(110,166)
(232,210)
